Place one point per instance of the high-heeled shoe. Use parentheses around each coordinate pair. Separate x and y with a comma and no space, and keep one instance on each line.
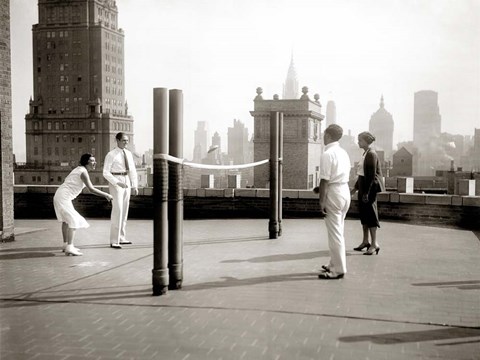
(374,250)
(72,250)
(361,247)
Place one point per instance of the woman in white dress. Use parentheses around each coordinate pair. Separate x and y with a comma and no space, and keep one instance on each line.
(72,186)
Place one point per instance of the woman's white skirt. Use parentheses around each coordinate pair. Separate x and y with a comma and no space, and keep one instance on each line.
(66,212)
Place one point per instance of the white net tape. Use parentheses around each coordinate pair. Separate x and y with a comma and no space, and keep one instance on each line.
(208,166)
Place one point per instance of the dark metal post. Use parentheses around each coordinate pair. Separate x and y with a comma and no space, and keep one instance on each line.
(280,172)
(175,192)
(160,192)
(273,223)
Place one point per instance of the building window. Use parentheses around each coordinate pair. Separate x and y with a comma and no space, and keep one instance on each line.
(21,179)
(57,125)
(64,125)
(34,178)
(59,179)
(49,125)
(57,139)
(35,138)
(80,139)
(57,153)
(35,125)
(92,125)
(35,150)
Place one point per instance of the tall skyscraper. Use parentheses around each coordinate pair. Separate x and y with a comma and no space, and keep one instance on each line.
(426,117)
(78,102)
(238,142)
(381,125)
(200,142)
(331,113)
(476,151)
(426,134)
(290,88)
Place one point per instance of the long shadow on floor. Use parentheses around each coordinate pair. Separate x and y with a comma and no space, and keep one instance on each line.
(283,257)
(77,295)
(414,336)
(461,285)
(26,255)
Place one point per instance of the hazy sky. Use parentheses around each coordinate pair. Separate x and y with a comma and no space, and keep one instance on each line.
(219,51)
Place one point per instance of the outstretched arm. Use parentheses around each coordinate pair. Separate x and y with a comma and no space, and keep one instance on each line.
(86,180)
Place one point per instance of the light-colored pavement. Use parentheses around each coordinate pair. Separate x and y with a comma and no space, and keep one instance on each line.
(244,296)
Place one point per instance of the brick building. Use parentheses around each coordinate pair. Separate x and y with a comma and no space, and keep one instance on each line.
(78,102)
(302,140)
(6,154)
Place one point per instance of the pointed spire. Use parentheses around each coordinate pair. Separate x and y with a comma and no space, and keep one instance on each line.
(382,104)
(290,87)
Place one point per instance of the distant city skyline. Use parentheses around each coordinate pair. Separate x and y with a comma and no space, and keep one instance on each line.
(350,52)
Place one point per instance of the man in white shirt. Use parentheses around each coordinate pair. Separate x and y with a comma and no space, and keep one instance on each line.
(334,195)
(119,170)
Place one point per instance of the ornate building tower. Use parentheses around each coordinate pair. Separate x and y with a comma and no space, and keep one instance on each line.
(381,125)
(290,88)
(302,141)
(78,102)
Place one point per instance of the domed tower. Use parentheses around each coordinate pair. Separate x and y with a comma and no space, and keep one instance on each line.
(381,125)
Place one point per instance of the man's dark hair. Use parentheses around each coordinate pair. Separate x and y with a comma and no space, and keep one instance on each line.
(84,159)
(119,135)
(335,131)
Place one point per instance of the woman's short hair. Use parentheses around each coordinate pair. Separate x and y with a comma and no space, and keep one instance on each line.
(367,136)
(335,131)
(84,159)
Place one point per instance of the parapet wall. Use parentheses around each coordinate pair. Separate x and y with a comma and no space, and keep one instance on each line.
(36,202)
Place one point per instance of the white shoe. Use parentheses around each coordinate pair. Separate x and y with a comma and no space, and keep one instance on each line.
(65,246)
(72,250)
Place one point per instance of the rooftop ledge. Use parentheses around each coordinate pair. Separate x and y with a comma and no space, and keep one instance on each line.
(385,197)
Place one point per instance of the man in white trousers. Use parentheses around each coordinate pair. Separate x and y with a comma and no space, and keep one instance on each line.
(334,195)
(119,170)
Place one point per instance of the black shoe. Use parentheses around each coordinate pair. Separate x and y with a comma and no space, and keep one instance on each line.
(116,246)
(361,247)
(125,242)
(329,276)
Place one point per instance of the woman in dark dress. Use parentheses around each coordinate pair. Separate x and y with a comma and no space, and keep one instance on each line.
(369,183)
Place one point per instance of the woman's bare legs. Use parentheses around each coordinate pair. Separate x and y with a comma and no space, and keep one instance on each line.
(365,243)
(68,238)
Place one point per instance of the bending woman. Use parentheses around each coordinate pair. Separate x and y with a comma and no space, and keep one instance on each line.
(369,183)
(62,201)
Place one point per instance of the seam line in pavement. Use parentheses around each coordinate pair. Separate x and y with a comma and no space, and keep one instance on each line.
(285,312)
